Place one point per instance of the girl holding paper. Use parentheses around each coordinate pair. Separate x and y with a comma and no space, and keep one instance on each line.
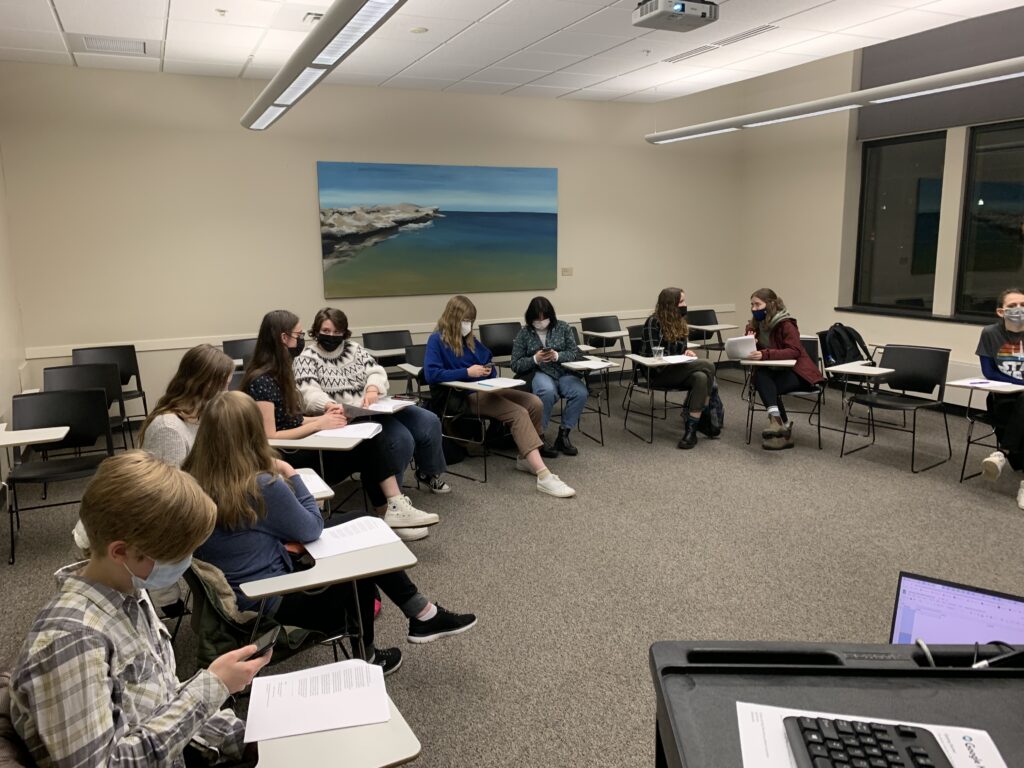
(334,369)
(454,354)
(666,328)
(269,380)
(262,504)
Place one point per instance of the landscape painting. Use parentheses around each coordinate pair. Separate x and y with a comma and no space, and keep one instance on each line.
(400,229)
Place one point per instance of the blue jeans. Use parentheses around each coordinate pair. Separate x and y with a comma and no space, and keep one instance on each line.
(414,431)
(570,387)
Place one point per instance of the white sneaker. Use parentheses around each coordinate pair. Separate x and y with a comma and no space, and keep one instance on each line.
(412,534)
(553,485)
(992,465)
(402,514)
(524,466)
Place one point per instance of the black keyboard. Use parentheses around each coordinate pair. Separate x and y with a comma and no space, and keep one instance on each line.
(822,743)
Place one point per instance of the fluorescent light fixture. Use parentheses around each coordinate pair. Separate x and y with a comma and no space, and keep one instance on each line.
(271,114)
(697,135)
(930,91)
(802,115)
(302,83)
(993,72)
(344,27)
(364,21)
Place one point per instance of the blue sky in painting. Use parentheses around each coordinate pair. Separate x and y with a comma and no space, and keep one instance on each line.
(450,187)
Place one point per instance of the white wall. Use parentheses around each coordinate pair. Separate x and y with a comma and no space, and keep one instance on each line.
(12,350)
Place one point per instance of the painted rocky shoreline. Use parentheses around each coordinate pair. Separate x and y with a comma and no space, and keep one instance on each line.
(346,231)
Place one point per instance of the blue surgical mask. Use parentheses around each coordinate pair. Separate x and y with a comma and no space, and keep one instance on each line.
(759,314)
(162,576)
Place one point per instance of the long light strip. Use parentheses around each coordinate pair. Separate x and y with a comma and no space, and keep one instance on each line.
(968,77)
(344,27)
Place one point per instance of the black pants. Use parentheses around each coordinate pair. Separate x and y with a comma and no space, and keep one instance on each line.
(326,611)
(370,459)
(772,382)
(1007,413)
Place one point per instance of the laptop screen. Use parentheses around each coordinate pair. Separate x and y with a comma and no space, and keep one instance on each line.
(945,613)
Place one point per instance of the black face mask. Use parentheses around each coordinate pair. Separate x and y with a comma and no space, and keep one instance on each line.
(295,351)
(682,311)
(328,342)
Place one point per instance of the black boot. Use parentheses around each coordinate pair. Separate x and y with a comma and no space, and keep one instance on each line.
(547,450)
(689,438)
(563,444)
(706,425)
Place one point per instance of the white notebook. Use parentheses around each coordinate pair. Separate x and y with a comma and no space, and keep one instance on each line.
(361,533)
(740,347)
(364,430)
(382,407)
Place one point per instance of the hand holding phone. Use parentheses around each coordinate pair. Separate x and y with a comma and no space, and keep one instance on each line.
(265,642)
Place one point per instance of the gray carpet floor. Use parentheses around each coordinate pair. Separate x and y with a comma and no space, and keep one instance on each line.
(725,541)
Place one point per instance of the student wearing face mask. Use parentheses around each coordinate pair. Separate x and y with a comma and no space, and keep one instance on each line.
(270,382)
(334,369)
(538,352)
(454,354)
(778,338)
(1001,352)
(667,328)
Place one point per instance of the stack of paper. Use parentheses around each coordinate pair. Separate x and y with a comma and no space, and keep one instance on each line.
(500,383)
(383,406)
(341,695)
(679,359)
(361,533)
(364,430)
(590,364)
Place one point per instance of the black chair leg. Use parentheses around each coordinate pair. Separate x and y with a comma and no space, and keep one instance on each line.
(14,517)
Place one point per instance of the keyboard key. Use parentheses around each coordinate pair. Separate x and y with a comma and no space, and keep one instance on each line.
(817,750)
(863,728)
(840,758)
(878,727)
(917,751)
(877,762)
(809,723)
(883,736)
(889,749)
(813,737)
(868,741)
(851,741)
(906,731)
(859,763)
(823,762)
(872,751)
(924,762)
(844,727)
(834,744)
(828,730)
(855,752)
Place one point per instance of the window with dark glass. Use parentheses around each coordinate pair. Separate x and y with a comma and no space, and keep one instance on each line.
(992,249)
(899,222)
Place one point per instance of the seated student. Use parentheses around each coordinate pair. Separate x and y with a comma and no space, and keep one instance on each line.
(778,338)
(540,348)
(334,369)
(1001,352)
(667,328)
(95,681)
(453,354)
(271,383)
(262,505)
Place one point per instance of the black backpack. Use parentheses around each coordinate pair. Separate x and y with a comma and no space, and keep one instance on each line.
(842,344)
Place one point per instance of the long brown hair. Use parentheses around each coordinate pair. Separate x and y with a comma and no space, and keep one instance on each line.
(773,305)
(230,451)
(272,357)
(673,327)
(202,373)
(457,309)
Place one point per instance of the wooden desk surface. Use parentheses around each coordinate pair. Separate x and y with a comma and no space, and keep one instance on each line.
(360,564)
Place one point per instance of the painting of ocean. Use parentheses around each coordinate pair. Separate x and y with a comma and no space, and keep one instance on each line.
(404,229)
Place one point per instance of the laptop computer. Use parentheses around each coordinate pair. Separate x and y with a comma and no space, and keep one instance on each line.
(740,347)
(946,613)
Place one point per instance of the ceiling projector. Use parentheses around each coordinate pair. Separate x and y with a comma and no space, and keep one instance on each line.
(674,15)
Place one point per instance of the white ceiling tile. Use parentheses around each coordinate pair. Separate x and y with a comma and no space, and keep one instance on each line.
(597,3)
(546,15)
(577,43)
(531,59)
(189,51)
(38,57)
(681,88)
(507,75)
(722,57)
(312,3)
(417,83)
(591,94)
(430,68)
(465,50)
(338,77)
(292,17)
(510,38)
(838,15)
(644,97)
(643,51)
(716,77)
(27,14)
(903,23)
(281,40)
(595,66)
(29,40)
(243,13)
(610,21)
(204,68)
(539,91)
(269,58)
(973,8)
(774,39)
(215,36)
(831,44)
(399,27)
(770,62)
(570,80)
(908,3)
(474,86)
(260,73)
(468,10)
(103,61)
(142,19)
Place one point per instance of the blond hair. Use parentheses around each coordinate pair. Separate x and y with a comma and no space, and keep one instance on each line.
(202,373)
(230,452)
(136,498)
(457,309)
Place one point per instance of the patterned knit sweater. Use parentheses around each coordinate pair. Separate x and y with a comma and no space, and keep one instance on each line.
(340,376)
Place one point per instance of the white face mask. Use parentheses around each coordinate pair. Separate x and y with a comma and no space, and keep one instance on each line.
(466,327)
(541,325)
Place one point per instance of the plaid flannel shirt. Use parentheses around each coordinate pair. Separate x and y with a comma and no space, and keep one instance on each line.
(95,685)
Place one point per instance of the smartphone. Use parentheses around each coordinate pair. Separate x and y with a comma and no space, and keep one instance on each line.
(265,642)
(545,350)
